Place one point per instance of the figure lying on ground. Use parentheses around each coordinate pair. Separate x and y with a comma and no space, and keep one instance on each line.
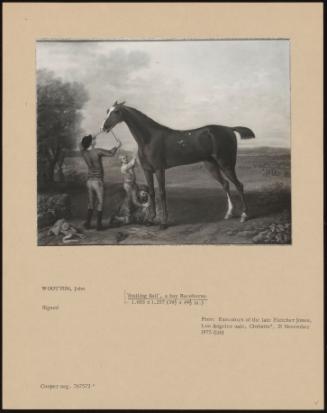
(69,232)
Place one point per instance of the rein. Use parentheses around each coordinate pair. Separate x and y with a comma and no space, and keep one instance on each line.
(117,140)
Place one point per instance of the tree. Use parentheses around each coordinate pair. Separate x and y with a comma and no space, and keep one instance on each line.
(59,119)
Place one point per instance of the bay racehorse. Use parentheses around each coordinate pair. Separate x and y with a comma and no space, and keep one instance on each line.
(160,148)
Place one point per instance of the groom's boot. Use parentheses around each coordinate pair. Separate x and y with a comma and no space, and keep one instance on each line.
(99,221)
(87,223)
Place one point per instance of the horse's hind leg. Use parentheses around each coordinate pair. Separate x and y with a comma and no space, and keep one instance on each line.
(231,174)
(214,170)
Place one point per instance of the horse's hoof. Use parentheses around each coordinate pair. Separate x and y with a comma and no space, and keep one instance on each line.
(228,216)
(163,226)
(244,217)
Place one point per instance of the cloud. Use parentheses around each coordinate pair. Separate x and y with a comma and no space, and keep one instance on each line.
(86,62)
(182,84)
(115,69)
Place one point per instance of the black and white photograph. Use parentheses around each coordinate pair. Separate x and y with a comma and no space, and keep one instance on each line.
(163,142)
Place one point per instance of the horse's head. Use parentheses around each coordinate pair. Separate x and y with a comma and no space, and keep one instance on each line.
(114,116)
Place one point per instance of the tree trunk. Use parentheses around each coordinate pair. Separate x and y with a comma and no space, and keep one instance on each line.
(60,162)
(51,170)
(53,157)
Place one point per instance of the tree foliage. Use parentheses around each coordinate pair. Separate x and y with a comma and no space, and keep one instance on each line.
(59,117)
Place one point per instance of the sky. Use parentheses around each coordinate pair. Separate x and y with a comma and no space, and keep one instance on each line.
(180,84)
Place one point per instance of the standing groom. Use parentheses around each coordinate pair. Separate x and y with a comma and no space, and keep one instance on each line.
(93,158)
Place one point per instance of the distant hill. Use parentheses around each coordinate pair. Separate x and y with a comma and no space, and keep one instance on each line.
(264,150)
(263,165)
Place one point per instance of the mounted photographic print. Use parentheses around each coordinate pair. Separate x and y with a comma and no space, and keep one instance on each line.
(163,206)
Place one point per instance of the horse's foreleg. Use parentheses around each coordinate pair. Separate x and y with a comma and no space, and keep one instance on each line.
(160,174)
(149,180)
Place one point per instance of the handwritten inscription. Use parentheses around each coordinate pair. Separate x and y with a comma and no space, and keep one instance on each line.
(74,386)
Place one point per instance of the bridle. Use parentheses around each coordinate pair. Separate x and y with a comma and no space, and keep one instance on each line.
(117,140)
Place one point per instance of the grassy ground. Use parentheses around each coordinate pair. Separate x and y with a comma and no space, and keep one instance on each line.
(196,204)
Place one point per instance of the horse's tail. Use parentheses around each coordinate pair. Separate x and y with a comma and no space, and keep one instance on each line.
(245,133)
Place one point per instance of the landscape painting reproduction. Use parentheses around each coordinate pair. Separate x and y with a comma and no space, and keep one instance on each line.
(163,142)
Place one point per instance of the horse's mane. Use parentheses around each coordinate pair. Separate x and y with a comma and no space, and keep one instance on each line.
(140,118)
(143,117)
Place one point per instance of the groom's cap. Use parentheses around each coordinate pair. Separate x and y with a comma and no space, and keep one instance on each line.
(86,141)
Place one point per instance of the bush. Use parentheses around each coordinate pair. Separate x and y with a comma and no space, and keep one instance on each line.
(50,208)
(59,117)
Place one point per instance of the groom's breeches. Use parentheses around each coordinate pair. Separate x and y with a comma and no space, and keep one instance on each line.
(95,193)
